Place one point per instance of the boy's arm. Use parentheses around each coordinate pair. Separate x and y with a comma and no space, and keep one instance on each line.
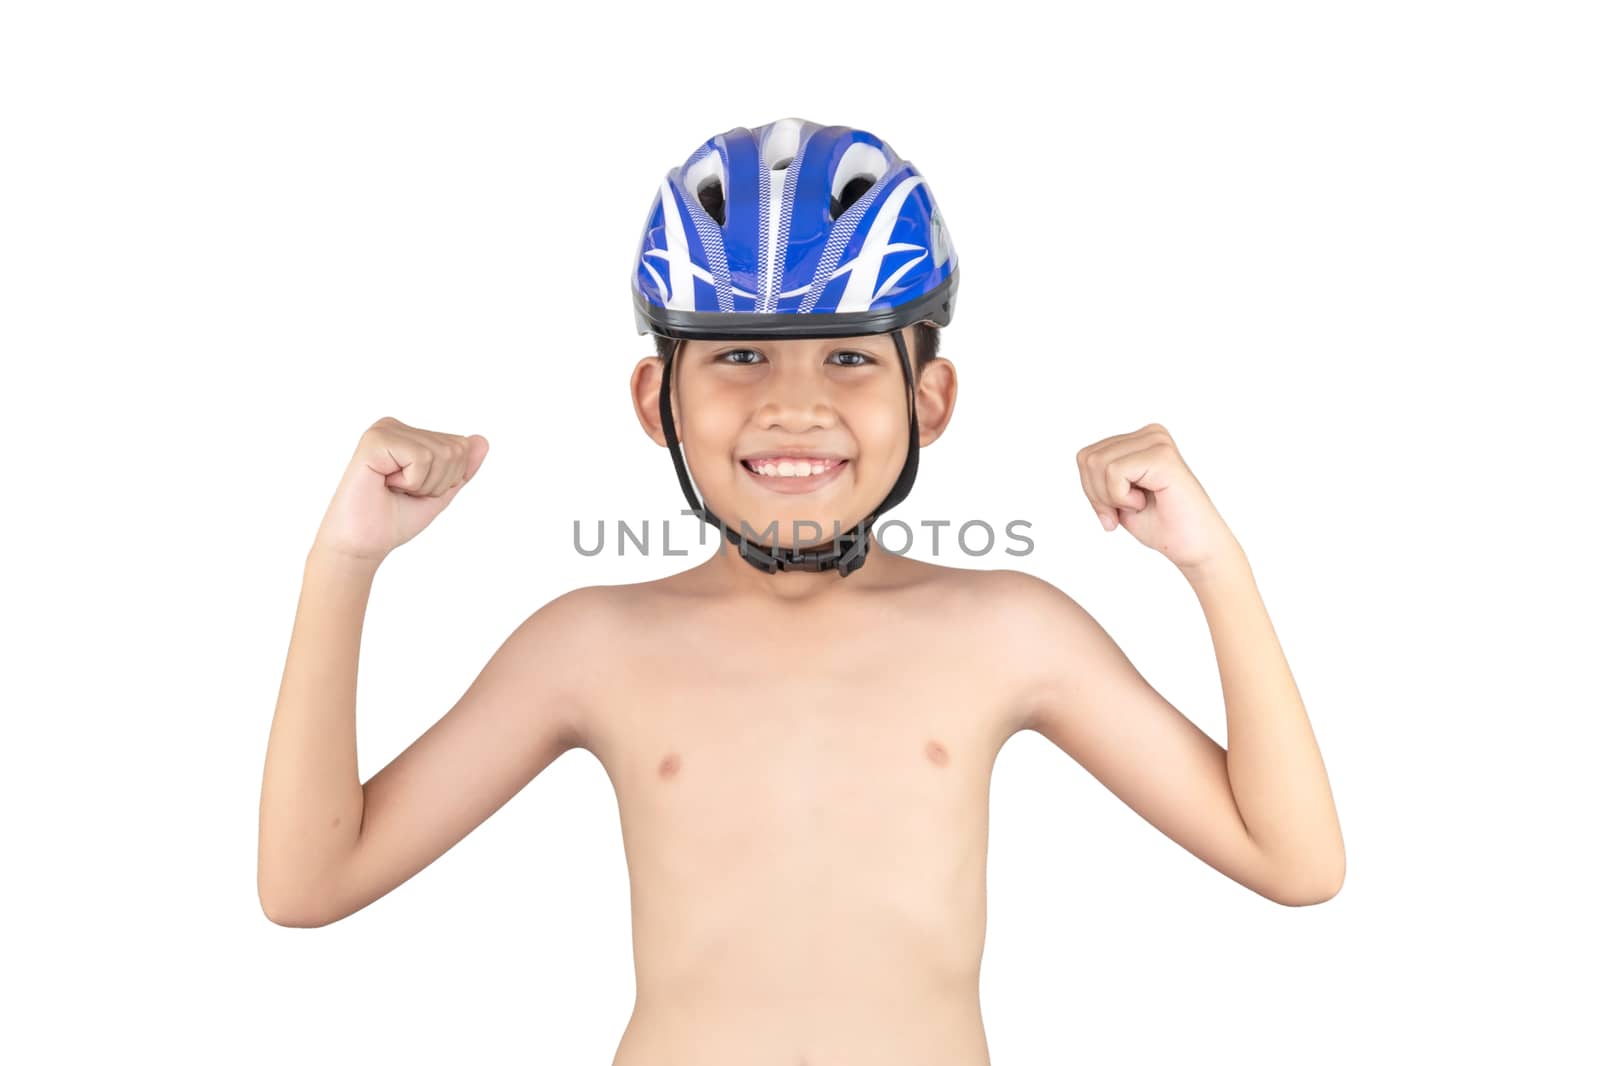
(1260,812)
(329,845)
(311,787)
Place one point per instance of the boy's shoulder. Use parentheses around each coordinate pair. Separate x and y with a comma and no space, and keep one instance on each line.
(1016,621)
(1016,597)
(609,612)
(590,607)
(997,587)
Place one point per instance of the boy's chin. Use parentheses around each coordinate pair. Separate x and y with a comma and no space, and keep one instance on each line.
(792,527)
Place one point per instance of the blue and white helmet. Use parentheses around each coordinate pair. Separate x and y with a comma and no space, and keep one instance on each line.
(793,229)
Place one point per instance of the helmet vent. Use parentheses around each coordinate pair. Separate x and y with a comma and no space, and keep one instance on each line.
(853,190)
(710,195)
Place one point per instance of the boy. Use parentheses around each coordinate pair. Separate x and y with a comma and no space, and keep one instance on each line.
(802,735)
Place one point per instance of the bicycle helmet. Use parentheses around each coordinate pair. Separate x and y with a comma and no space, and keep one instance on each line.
(793,230)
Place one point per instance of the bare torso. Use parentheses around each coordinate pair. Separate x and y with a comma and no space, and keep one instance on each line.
(803,792)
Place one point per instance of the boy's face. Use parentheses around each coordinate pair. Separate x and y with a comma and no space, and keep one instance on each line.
(794,430)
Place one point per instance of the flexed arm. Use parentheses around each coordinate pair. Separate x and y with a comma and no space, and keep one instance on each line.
(1260,811)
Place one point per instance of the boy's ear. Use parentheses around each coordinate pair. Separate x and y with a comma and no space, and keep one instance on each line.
(645,385)
(936,399)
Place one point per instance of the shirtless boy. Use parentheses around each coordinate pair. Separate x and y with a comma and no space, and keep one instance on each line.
(802,730)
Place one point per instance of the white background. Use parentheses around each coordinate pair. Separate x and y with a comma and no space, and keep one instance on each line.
(1345,253)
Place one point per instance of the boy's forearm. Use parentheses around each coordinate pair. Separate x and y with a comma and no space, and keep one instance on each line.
(311,794)
(1274,767)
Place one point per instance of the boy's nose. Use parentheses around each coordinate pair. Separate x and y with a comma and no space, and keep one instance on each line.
(795,401)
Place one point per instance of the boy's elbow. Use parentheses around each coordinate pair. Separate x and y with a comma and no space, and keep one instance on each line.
(288,912)
(286,918)
(1306,898)
(1309,890)
(291,918)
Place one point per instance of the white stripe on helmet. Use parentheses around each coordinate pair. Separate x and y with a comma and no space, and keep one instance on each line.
(680,274)
(859,290)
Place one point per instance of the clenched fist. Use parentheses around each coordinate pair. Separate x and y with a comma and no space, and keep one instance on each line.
(1139,481)
(398,481)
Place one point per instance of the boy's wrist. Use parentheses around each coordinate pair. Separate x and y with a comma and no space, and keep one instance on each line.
(330,561)
(1224,566)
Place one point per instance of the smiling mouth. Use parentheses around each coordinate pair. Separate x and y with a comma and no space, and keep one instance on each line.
(797,468)
(791,475)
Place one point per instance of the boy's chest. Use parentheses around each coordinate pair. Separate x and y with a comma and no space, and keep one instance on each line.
(794,716)
(789,760)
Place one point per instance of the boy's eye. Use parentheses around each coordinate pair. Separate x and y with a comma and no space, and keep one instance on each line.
(736,357)
(856,358)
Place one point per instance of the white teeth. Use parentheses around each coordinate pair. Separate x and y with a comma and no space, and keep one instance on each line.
(789,467)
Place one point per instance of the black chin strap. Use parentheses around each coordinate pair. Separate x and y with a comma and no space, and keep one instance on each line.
(849,548)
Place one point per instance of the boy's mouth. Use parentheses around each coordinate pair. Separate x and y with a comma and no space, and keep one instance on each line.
(793,473)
